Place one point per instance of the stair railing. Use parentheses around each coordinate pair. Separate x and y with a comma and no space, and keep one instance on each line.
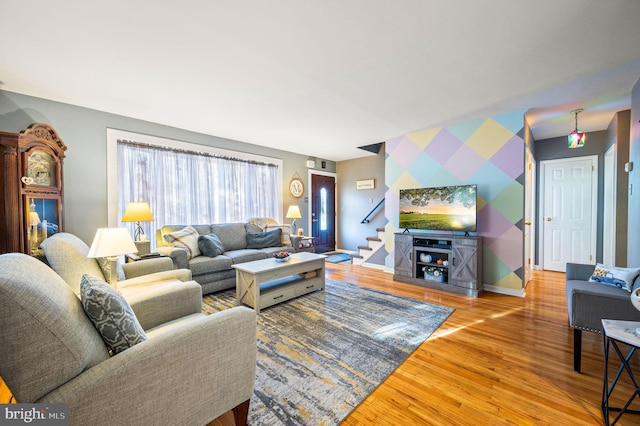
(366,218)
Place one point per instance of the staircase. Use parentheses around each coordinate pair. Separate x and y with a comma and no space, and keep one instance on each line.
(365,252)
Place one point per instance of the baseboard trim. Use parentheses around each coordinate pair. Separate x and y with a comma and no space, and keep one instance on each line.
(506,291)
(374,266)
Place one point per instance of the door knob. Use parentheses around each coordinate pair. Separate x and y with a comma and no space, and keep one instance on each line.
(527,223)
(548,219)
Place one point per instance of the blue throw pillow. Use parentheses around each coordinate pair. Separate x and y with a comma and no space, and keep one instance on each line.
(257,240)
(210,245)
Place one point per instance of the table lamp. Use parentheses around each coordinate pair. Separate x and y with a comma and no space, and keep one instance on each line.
(139,212)
(293,213)
(111,243)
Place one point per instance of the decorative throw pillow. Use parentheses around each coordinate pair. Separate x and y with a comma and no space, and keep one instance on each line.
(186,238)
(284,229)
(105,265)
(257,240)
(111,314)
(210,245)
(617,277)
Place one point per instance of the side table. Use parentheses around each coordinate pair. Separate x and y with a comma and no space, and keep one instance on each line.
(133,257)
(615,332)
(307,244)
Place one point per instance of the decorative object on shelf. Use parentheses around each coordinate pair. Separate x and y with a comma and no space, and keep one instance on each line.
(281,256)
(576,138)
(138,212)
(111,243)
(365,184)
(293,213)
(426,258)
(296,187)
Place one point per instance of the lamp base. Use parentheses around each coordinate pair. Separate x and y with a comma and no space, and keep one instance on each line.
(113,281)
(144,247)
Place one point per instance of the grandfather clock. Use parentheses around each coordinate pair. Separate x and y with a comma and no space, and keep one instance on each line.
(31,186)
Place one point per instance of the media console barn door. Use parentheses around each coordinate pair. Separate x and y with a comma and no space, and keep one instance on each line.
(444,262)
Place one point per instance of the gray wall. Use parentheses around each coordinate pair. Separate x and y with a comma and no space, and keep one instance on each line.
(618,134)
(84,130)
(356,204)
(633,232)
(554,148)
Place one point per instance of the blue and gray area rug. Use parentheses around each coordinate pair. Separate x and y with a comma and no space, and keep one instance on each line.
(321,355)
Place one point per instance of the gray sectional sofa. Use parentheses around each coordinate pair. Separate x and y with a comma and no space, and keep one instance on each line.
(241,242)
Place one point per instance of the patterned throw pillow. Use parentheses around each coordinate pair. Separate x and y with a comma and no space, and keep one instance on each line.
(105,265)
(111,314)
(617,277)
(186,238)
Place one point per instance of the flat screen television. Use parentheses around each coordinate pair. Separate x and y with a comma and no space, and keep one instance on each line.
(445,208)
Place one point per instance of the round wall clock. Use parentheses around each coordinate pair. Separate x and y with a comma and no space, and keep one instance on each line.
(296,187)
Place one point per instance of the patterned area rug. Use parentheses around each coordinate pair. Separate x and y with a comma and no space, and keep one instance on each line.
(320,355)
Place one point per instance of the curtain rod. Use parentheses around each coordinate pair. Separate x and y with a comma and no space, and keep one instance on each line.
(192,152)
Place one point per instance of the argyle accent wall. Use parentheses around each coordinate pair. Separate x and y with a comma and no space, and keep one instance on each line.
(487,152)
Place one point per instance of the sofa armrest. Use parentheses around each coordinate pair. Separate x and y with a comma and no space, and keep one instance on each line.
(579,271)
(147,266)
(186,375)
(173,274)
(177,255)
(158,302)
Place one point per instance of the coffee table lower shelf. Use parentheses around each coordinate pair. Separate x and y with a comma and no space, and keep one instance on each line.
(264,283)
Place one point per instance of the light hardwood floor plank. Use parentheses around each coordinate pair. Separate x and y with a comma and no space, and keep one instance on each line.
(497,360)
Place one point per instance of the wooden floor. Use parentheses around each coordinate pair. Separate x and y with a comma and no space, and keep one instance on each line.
(497,360)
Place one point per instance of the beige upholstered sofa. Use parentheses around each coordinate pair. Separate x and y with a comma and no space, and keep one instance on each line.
(240,242)
(155,290)
(188,371)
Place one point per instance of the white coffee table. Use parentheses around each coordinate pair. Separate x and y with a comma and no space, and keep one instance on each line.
(266,282)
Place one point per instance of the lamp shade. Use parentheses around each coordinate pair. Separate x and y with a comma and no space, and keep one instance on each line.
(293,212)
(110,242)
(137,212)
(576,139)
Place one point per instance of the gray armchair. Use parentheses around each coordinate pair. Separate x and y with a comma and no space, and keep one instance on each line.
(156,292)
(589,302)
(187,372)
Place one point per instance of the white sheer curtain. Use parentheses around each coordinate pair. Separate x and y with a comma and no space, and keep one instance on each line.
(188,187)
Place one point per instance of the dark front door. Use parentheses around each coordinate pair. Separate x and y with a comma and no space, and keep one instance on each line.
(323,212)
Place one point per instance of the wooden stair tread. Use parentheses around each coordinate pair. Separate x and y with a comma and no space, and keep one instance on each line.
(373,239)
(365,248)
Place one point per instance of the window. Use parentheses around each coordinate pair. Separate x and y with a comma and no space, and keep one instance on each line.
(323,209)
(188,186)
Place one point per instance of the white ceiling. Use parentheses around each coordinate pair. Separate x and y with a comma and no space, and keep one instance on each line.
(322,77)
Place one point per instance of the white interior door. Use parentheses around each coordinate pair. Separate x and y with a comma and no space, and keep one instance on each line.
(529,209)
(609,212)
(568,221)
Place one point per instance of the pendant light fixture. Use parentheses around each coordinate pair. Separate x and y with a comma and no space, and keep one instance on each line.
(576,138)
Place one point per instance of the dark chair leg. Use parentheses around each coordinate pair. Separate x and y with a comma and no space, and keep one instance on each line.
(240,413)
(577,349)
